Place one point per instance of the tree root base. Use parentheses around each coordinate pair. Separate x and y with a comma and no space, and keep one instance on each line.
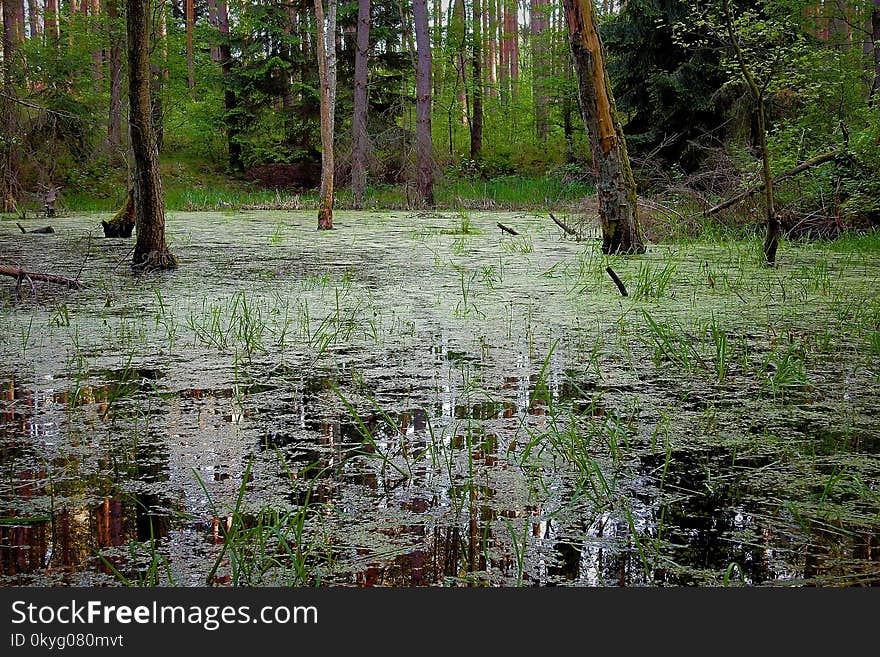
(154,261)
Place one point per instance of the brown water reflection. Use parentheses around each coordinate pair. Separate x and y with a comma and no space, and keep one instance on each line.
(448,413)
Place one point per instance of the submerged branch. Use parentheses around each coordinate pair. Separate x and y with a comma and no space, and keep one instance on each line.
(21,274)
(566,229)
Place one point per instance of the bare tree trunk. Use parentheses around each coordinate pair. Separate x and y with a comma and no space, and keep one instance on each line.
(513,31)
(36,28)
(492,45)
(875,32)
(359,123)
(163,38)
(774,229)
(287,87)
(503,48)
(424,145)
(213,21)
(437,43)
(458,37)
(114,123)
(97,54)
(190,24)
(476,84)
(150,251)
(325,36)
(538,21)
(230,102)
(615,187)
(13,37)
(53,26)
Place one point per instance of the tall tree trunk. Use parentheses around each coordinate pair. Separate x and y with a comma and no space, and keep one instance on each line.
(97,54)
(538,21)
(512,30)
(503,49)
(114,123)
(13,37)
(437,43)
(213,21)
(875,31)
(774,229)
(326,41)
(190,24)
(424,146)
(359,123)
(477,84)
(230,101)
(34,19)
(492,44)
(458,38)
(50,20)
(163,38)
(150,251)
(615,187)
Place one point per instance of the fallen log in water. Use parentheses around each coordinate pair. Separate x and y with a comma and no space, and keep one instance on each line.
(21,274)
(45,230)
(507,229)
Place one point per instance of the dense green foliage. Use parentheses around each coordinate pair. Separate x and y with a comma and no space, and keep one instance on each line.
(687,114)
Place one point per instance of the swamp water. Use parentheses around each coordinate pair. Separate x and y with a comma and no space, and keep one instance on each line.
(424,400)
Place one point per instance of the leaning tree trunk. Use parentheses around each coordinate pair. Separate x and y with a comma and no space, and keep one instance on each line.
(424,145)
(615,187)
(150,250)
(359,122)
(326,41)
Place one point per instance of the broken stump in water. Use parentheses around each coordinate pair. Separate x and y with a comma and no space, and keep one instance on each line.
(122,222)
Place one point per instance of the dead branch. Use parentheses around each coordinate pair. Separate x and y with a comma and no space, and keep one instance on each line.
(803,166)
(507,229)
(566,229)
(45,230)
(617,282)
(21,274)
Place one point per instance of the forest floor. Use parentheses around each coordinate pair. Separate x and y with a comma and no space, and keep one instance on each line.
(420,398)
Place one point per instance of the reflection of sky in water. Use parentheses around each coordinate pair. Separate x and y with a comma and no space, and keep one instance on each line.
(160,388)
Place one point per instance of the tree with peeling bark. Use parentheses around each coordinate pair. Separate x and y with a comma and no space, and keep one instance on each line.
(326,42)
(424,144)
(150,250)
(359,122)
(615,187)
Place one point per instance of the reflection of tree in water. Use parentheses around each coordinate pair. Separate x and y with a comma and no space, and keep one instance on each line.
(83,509)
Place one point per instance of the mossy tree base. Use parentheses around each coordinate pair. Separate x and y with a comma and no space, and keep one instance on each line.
(123,221)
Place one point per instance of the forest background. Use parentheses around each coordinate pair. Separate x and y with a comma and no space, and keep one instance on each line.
(236,104)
